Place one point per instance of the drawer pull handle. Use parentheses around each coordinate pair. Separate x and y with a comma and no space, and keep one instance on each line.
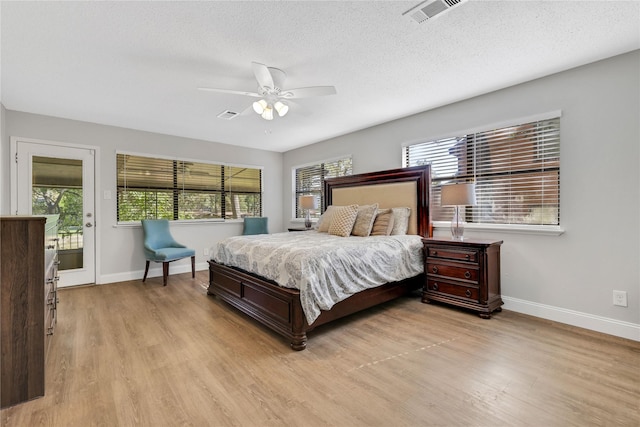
(467,256)
(468,293)
(435,286)
(435,270)
(467,275)
(434,253)
(50,280)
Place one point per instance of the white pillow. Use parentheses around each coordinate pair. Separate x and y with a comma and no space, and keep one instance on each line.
(400,221)
(325,219)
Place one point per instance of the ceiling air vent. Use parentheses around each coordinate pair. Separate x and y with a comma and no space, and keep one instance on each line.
(227,115)
(430,8)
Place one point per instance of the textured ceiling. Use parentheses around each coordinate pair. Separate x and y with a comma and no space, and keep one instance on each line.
(138,64)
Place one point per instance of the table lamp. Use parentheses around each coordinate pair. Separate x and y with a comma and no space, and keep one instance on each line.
(307,203)
(458,195)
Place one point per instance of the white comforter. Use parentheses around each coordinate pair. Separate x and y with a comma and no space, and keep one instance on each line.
(326,269)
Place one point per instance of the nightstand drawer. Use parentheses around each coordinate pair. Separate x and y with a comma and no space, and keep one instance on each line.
(455,272)
(453,253)
(454,289)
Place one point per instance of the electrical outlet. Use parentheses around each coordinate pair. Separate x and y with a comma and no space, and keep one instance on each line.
(205,251)
(620,298)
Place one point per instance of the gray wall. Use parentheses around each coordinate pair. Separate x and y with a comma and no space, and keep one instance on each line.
(119,254)
(569,277)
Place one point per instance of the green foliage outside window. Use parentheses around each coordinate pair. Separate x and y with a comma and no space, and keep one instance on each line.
(66,202)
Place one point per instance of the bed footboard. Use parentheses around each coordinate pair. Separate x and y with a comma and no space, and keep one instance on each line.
(275,307)
(279,308)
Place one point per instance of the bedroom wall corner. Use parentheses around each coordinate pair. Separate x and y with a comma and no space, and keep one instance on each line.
(5,195)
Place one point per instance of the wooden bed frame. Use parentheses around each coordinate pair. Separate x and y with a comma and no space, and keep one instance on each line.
(279,308)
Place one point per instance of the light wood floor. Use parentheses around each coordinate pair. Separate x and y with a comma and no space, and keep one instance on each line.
(142,354)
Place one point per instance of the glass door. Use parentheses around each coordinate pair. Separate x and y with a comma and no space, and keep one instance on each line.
(55,180)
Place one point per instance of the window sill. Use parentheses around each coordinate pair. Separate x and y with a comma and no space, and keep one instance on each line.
(134,224)
(301,220)
(540,230)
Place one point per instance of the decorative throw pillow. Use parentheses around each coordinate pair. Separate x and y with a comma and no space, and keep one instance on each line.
(400,221)
(342,220)
(383,223)
(325,219)
(364,220)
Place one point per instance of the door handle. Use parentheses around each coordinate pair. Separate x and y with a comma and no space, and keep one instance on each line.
(89,225)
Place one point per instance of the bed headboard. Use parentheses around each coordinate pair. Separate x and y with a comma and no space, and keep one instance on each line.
(391,188)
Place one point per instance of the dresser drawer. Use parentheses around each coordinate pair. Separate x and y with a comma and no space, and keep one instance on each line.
(461,290)
(50,318)
(453,253)
(469,272)
(49,292)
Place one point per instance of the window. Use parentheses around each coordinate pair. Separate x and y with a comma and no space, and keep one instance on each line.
(155,188)
(309,179)
(516,170)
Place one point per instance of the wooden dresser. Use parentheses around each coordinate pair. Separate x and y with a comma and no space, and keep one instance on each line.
(463,273)
(51,263)
(28,276)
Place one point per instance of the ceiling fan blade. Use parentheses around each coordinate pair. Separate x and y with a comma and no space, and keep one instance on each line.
(308,92)
(263,75)
(234,92)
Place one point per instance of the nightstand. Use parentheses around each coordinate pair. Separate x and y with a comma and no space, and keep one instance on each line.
(463,273)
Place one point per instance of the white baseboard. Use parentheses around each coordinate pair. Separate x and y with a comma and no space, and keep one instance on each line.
(575,318)
(153,272)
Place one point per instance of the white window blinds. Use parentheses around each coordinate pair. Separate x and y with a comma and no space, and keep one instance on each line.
(310,180)
(516,170)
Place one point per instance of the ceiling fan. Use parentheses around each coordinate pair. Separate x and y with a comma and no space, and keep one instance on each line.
(270,90)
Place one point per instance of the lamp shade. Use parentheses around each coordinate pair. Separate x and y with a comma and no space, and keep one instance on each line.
(259,106)
(281,108)
(267,114)
(458,195)
(307,202)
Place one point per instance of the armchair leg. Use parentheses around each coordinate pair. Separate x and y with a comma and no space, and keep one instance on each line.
(193,267)
(165,273)
(146,270)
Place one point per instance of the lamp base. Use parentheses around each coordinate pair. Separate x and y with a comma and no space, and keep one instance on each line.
(307,221)
(457,226)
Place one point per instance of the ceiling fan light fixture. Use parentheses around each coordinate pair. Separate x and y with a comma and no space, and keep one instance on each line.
(260,106)
(267,114)
(270,91)
(281,108)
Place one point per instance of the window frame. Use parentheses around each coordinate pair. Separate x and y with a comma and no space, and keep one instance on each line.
(223,190)
(552,230)
(294,185)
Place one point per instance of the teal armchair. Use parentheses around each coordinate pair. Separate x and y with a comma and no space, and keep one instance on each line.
(160,246)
